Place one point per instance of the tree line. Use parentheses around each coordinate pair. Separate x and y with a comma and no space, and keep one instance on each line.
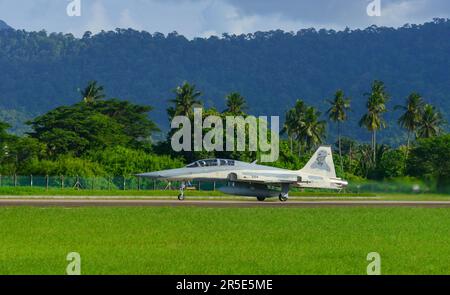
(109,136)
(423,123)
(304,124)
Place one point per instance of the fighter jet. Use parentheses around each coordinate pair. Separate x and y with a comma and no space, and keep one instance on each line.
(253,180)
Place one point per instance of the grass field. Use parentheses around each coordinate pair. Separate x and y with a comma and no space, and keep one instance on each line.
(224,241)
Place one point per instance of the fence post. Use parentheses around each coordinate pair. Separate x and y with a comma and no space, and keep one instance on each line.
(154,184)
(214,186)
(46,182)
(62,181)
(139,183)
(199,186)
(31,180)
(124,182)
(15,180)
(109,183)
(93,183)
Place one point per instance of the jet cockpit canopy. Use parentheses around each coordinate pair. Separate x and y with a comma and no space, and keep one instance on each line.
(211,163)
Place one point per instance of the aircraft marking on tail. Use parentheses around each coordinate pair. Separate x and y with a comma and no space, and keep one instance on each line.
(321,163)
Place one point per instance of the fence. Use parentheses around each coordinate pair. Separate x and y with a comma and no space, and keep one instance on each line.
(98,183)
(140,183)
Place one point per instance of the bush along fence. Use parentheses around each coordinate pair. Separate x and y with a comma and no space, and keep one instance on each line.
(99,183)
(141,183)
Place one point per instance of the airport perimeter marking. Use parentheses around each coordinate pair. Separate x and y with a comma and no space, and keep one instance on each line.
(213,204)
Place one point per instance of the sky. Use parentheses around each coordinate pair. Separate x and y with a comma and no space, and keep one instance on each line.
(203,18)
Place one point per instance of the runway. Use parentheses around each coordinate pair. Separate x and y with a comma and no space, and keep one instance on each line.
(213,203)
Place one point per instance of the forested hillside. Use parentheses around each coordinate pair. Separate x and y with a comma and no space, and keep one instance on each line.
(40,71)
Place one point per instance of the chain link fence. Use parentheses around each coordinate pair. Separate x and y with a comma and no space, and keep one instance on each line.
(141,183)
(100,183)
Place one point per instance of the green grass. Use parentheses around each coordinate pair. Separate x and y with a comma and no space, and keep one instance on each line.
(224,241)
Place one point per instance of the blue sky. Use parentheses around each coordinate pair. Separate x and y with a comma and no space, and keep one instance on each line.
(200,18)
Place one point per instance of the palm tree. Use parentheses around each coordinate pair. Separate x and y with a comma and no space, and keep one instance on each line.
(431,122)
(313,129)
(303,124)
(376,106)
(338,113)
(289,127)
(185,100)
(235,104)
(411,117)
(92,92)
(297,122)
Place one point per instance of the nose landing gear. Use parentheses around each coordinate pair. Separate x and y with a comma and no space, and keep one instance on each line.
(181,194)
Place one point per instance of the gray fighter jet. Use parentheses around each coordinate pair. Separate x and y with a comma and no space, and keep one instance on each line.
(253,180)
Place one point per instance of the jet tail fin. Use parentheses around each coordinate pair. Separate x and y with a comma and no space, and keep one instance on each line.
(321,163)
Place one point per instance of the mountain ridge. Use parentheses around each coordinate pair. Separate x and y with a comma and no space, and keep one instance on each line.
(271,69)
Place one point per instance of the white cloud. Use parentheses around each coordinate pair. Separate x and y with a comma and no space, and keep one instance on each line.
(213,17)
(221,17)
(97,17)
(399,12)
(127,21)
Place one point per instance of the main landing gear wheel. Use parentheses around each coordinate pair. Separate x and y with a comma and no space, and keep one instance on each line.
(283,197)
(181,197)
(261,199)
